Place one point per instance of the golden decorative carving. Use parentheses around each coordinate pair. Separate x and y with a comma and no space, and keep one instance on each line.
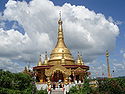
(49,72)
(79,69)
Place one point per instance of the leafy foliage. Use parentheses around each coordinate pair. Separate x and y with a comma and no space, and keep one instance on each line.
(17,83)
(84,89)
(105,86)
(112,86)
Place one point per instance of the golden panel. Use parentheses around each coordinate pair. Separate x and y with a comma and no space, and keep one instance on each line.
(58,61)
(49,72)
(79,69)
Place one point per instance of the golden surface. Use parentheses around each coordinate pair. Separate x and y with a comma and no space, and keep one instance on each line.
(60,49)
(46,59)
(49,72)
(79,60)
(40,61)
(79,69)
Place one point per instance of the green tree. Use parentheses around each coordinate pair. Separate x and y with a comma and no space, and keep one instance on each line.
(82,89)
(112,86)
(17,83)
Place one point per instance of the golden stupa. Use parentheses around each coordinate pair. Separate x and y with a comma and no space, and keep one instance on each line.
(60,65)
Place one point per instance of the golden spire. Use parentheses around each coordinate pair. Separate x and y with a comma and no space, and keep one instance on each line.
(60,46)
(108,66)
(60,42)
(79,60)
(46,58)
(40,61)
(82,62)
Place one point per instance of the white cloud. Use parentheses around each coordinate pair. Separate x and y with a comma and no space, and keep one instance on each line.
(115,22)
(2,24)
(7,64)
(84,30)
(122,51)
(124,55)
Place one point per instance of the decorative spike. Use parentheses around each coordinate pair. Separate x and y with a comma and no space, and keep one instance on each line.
(82,62)
(60,15)
(78,55)
(40,61)
(108,66)
(46,58)
(78,60)
(107,53)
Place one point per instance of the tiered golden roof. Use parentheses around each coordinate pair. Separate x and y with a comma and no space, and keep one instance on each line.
(60,49)
(61,54)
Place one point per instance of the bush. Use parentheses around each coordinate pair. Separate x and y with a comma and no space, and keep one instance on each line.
(112,86)
(105,86)
(17,83)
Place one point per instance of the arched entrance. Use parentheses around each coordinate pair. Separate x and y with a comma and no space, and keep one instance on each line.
(57,76)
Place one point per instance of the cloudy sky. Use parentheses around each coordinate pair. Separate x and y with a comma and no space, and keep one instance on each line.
(28,28)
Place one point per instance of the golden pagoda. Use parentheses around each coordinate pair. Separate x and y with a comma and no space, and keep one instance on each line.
(61,65)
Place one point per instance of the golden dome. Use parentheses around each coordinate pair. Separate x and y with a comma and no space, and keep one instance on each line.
(60,49)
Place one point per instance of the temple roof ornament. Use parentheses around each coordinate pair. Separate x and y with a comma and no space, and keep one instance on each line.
(82,62)
(60,47)
(49,72)
(40,61)
(79,60)
(46,59)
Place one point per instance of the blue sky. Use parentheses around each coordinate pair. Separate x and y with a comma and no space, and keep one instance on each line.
(110,8)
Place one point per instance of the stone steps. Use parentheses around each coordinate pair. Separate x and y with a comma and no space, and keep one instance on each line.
(57,91)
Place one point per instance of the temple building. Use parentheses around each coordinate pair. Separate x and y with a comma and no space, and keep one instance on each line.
(60,66)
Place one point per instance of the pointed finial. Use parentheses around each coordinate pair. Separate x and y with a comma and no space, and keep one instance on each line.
(78,54)
(46,55)
(107,53)
(78,60)
(81,59)
(60,15)
(46,58)
(60,21)
(40,61)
